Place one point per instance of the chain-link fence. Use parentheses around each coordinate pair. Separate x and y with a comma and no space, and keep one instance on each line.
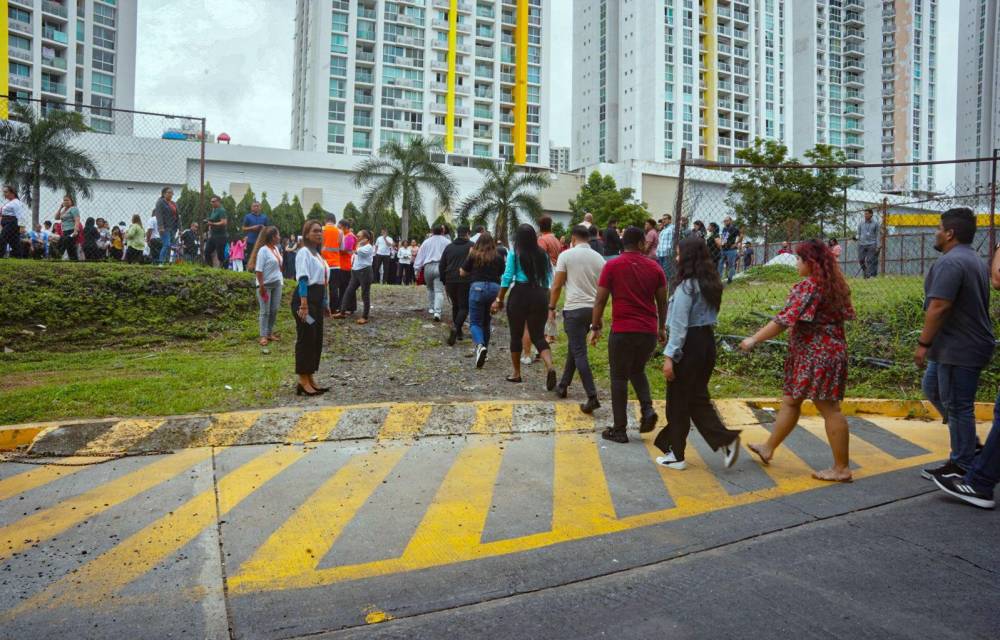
(136,154)
(882,232)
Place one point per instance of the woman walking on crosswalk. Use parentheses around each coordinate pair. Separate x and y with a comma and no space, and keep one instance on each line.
(816,366)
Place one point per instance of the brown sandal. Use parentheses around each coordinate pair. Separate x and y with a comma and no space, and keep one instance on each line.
(362,320)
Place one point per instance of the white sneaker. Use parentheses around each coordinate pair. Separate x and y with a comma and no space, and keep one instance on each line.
(526,360)
(671,462)
(480,356)
(731,452)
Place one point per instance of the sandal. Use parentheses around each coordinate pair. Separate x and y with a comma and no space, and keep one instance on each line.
(516,380)
(362,321)
(262,342)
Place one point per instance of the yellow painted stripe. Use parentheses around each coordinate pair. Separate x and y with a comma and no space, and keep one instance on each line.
(711,81)
(868,457)
(104,576)
(581,500)
(4,59)
(521,84)
(11,439)
(927,219)
(735,414)
(494,417)
(405,420)
(786,469)
(570,418)
(226,429)
(696,488)
(449,119)
(122,436)
(315,425)
(50,522)
(39,476)
(299,545)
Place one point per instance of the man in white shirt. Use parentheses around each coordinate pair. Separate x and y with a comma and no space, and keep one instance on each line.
(13,216)
(428,259)
(578,269)
(479,231)
(153,244)
(383,255)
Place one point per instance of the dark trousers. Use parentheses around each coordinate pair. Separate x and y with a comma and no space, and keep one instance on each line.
(67,245)
(346,302)
(380,267)
(309,337)
(406,274)
(215,246)
(577,325)
(10,237)
(392,271)
(628,354)
(133,256)
(985,472)
(528,307)
(688,399)
(332,279)
(458,294)
(361,279)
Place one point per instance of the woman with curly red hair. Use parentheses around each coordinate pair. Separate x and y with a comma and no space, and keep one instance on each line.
(816,366)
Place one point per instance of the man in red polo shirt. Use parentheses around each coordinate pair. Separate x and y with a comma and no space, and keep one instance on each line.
(638,290)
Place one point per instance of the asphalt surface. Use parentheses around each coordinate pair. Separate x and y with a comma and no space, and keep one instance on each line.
(550,534)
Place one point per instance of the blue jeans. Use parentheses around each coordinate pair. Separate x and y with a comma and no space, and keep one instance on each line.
(167,238)
(667,264)
(481,296)
(952,391)
(728,263)
(985,472)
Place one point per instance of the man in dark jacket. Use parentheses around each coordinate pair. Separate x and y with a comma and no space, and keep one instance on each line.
(612,242)
(456,286)
(168,222)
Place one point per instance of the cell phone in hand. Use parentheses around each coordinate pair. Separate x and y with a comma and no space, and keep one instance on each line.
(310,319)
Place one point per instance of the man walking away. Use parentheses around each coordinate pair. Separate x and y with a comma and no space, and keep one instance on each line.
(731,239)
(383,251)
(638,290)
(333,242)
(168,222)
(218,235)
(652,241)
(978,484)
(577,269)
(479,231)
(956,342)
(612,242)
(868,245)
(665,248)
(547,241)
(455,284)
(428,259)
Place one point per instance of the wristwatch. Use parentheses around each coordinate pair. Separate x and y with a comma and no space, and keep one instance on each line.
(596,327)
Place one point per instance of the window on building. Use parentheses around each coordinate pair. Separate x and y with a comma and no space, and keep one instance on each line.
(104,37)
(104,60)
(104,15)
(102,83)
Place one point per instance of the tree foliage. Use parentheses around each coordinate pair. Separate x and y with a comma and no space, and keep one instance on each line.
(38,152)
(507,198)
(316,212)
(789,199)
(397,174)
(601,197)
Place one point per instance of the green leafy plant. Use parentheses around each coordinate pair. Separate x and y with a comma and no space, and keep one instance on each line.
(507,198)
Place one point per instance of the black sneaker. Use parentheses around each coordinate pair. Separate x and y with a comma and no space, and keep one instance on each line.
(452,337)
(959,488)
(615,435)
(648,423)
(590,406)
(561,392)
(948,469)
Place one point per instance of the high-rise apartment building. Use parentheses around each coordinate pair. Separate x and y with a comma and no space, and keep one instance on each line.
(653,77)
(864,80)
(67,52)
(558,158)
(469,72)
(978,115)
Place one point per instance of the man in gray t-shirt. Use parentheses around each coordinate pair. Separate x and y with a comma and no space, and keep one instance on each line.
(957,339)
(868,244)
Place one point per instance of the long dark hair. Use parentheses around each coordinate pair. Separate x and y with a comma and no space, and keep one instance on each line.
(695,263)
(534,261)
(263,238)
(826,272)
(484,251)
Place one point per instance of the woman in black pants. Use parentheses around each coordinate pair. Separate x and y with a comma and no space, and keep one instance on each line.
(529,270)
(690,358)
(309,306)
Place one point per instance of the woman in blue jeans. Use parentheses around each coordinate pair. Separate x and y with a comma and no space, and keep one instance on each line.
(483,267)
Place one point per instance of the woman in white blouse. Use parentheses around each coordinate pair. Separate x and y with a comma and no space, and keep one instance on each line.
(266,264)
(310,305)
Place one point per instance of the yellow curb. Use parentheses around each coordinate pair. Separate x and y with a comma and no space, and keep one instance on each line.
(920,409)
(13,437)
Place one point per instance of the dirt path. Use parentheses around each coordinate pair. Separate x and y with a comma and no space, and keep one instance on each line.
(402,355)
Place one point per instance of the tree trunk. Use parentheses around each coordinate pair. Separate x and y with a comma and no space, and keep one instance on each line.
(404,222)
(36,204)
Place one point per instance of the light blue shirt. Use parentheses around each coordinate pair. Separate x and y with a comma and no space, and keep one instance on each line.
(666,245)
(363,257)
(514,274)
(688,308)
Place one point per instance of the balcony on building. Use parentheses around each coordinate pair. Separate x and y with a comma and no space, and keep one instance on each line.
(19,80)
(17,53)
(56,9)
(19,26)
(53,33)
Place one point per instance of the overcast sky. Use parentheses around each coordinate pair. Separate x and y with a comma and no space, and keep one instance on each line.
(231,62)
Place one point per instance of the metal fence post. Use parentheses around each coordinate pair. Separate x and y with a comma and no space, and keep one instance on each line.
(883,248)
(679,205)
(993,203)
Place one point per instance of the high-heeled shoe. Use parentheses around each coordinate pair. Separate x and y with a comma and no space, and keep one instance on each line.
(321,389)
(301,391)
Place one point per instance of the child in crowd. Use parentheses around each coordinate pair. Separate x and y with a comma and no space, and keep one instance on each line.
(237,251)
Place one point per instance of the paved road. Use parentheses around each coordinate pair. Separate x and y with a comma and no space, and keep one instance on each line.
(552,533)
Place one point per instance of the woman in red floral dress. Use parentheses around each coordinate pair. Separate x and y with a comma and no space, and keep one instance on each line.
(816,366)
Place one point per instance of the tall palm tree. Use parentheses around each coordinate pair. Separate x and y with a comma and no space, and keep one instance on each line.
(507,198)
(37,152)
(397,173)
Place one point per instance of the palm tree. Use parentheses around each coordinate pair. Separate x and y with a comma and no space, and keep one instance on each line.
(506,198)
(36,152)
(398,173)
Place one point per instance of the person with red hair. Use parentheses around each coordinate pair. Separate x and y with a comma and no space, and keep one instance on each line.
(816,366)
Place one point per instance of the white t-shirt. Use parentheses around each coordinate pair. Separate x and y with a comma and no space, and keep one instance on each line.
(269,264)
(383,245)
(405,255)
(17,209)
(152,226)
(311,265)
(582,266)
